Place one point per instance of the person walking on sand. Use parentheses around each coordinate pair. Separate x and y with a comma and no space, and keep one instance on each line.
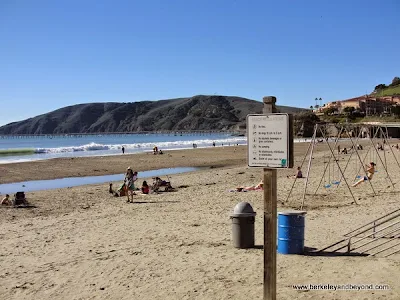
(370,173)
(130,178)
(123,149)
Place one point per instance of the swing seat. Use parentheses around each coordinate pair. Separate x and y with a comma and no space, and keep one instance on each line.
(336,182)
(358,177)
(327,186)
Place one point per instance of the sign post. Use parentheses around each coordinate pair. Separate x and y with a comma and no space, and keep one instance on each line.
(270,146)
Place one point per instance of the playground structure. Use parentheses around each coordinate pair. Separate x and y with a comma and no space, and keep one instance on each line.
(367,143)
(380,237)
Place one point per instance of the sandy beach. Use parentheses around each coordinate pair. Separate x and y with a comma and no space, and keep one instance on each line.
(83,243)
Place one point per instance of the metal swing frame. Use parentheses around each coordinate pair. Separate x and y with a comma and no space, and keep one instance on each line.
(318,128)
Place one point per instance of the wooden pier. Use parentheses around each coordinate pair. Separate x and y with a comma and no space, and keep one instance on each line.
(80,135)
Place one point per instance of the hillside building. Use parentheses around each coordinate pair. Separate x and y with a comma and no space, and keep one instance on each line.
(365,104)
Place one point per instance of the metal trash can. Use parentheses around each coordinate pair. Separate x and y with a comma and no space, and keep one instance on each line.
(243,219)
(291,232)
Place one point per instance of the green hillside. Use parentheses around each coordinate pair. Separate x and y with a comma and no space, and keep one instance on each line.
(392,89)
(389,91)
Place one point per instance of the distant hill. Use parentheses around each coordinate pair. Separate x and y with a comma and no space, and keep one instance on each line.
(194,113)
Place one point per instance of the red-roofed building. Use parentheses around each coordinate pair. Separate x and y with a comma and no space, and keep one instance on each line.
(366,104)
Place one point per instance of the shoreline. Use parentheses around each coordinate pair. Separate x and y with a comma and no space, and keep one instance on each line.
(80,166)
(56,168)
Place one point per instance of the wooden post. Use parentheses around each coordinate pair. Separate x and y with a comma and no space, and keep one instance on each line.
(270,218)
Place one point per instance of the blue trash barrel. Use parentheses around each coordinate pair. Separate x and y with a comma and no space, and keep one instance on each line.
(291,232)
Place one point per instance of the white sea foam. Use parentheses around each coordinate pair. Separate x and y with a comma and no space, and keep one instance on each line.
(144,146)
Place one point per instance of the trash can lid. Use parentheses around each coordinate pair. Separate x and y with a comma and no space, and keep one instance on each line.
(292,212)
(243,209)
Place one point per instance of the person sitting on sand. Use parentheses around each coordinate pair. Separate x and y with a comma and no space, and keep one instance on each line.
(130,178)
(145,187)
(6,200)
(370,173)
(257,187)
(299,174)
(344,151)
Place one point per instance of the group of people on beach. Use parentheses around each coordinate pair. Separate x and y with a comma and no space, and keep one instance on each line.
(18,200)
(129,189)
(157,151)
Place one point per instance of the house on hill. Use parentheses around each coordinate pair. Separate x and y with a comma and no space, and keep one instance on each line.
(365,104)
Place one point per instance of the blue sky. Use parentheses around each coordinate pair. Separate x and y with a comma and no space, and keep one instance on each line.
(59,53)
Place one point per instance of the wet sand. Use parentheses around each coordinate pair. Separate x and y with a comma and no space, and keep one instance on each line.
(83,243)
(116,164)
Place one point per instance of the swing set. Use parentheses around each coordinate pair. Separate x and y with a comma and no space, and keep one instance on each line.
(375,139)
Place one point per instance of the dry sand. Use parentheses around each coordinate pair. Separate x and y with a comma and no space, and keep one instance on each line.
(82,243)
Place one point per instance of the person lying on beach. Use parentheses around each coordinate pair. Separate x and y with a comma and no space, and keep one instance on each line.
(258,187)
(6,200)
(370,173)
(299,174)
(158,182)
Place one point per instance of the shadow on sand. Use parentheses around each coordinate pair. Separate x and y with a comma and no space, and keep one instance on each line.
(152,202)
(308,251)
(314,252)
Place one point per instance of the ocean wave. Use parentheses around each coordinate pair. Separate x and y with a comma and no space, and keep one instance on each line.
(87,147)
(143,146)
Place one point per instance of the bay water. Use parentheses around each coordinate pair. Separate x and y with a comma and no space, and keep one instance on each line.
(21,149)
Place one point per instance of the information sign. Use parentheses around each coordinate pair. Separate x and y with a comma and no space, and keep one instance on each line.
(268,141)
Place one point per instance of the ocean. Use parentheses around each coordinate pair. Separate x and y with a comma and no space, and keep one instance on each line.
(22,149)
